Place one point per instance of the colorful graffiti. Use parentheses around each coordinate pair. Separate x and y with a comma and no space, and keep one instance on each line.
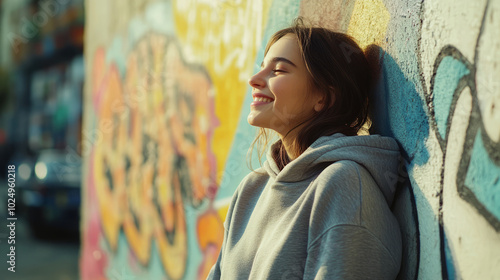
(475,171)
(154,155)
(169,137)
(445,139)
(479,169)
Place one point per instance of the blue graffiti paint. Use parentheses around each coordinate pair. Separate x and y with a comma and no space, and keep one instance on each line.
(448,74)
(483,177)
(119,265)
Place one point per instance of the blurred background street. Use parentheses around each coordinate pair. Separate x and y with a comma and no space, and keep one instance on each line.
(41,83)
(54,257)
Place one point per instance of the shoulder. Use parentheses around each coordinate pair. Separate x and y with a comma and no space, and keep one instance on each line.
(349,185)
(337,192)
(247,191)
(341,165)
(344,173)
(255,178)
(347,195)
(338,196)
(251,183)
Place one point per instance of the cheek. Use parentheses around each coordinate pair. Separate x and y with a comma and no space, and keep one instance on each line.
(290,94)
(279,88)
(287,89)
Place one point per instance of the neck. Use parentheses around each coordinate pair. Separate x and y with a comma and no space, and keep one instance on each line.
(288,142)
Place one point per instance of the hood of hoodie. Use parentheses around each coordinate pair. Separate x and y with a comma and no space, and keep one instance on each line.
(377,154)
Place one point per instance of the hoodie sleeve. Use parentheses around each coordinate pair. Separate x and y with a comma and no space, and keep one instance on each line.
(349,252)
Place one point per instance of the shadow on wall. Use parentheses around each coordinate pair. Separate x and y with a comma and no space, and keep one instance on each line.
(394,113)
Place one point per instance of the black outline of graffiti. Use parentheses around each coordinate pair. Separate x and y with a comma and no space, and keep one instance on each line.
(475,126)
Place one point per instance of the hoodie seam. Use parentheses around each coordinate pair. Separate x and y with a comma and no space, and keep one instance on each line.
(356,226)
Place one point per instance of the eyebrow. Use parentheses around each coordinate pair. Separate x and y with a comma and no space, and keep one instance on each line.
(280,59)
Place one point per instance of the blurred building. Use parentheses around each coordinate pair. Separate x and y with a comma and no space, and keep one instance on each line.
(41,83)
(41,76)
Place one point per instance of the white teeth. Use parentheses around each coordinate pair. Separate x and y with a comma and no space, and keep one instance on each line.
(262,99)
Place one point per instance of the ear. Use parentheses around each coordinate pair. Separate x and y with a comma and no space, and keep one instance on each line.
(318,106)
(320,103)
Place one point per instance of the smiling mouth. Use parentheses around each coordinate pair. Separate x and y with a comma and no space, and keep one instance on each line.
(262,99)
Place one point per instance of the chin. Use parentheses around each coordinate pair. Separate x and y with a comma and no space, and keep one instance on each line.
(254,122)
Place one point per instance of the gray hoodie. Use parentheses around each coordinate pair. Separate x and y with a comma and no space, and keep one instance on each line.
(326,215)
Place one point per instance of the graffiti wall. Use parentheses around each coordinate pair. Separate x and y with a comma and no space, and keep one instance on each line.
(165,136)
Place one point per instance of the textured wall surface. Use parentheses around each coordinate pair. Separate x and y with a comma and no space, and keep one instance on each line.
(165,135)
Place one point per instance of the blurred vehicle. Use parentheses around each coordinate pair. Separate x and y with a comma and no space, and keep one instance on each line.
(49,191)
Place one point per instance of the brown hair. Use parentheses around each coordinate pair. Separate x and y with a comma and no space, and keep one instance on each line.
(340,71)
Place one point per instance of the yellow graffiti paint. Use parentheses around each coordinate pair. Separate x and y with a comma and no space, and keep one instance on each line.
(369,21)
(153,156)
(222,211)
(224,36)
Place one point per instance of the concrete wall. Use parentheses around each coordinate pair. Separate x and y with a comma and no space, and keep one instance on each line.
(165,134)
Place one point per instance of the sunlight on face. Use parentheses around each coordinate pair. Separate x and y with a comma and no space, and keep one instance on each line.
(281,88)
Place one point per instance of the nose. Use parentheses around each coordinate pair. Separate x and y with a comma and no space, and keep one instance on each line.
(258,80)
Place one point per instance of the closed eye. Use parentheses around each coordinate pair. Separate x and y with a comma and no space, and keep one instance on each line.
(278,71)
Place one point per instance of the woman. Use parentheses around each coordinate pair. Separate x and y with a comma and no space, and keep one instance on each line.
(319,208)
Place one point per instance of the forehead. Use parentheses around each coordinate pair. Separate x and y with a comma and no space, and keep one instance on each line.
(287,47)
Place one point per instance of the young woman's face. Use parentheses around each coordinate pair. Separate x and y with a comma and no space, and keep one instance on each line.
(281,90)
